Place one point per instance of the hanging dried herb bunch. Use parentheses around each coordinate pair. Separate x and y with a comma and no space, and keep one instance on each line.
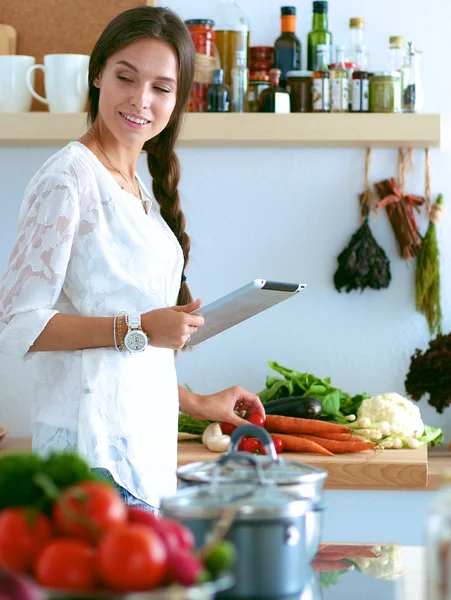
(427,276)
(430,373)
(363,263)
(400,209)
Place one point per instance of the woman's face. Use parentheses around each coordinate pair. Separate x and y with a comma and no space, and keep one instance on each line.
(138,91)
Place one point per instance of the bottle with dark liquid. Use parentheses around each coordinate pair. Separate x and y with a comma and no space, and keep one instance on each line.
(274,99)
(288,48)
(218,94)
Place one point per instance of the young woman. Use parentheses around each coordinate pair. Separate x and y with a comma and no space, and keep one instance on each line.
(94,296)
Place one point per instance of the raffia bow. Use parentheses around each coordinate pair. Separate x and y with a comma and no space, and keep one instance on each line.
(400,209)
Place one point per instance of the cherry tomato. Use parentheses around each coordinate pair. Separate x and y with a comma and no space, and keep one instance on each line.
(261,448)
(227,428)
(67,564)
(89,509)
(241,444)
(174,535)
(22,533)
(257,419)
(251,445)
(132,558)
(278,444)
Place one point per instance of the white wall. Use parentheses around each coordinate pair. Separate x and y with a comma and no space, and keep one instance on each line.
(287,214)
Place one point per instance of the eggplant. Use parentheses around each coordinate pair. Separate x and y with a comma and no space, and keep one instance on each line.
(303,407)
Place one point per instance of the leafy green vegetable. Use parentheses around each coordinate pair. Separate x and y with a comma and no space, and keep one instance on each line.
(335,403)
(189,424)
(431,436)
(329,578)
(19,482)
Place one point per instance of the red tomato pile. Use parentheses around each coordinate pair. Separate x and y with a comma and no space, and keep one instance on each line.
(92,540)
(251,444)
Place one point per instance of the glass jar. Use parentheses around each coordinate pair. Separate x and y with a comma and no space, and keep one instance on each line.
(261,62)
(397,52)
(258,81)
(203,36)
(385,92)
(299,85)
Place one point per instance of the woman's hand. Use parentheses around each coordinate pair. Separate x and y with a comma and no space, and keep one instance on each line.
(171,327)
(221,406)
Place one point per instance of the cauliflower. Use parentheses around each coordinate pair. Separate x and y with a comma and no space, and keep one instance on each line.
(387,563)
(402,415)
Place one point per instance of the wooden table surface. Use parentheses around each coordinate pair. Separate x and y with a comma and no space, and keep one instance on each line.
(400,470)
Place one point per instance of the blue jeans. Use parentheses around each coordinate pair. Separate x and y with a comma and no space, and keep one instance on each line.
(126,496)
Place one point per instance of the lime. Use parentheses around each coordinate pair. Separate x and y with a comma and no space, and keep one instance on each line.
(221,558)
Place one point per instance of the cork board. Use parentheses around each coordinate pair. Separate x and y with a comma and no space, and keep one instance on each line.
(59,27)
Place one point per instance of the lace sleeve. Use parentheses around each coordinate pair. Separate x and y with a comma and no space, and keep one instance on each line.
(37,266)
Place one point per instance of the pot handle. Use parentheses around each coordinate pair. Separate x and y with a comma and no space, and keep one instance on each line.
(254,431)
(238,457)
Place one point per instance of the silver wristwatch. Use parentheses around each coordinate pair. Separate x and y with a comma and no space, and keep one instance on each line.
(135,339)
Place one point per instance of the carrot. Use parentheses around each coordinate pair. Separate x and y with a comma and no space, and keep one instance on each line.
(278,424)
(320,565)
(338,552)
(341,437)
(297,444)
(339,447)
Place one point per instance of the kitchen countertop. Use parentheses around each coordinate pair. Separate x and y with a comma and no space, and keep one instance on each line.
(365,471)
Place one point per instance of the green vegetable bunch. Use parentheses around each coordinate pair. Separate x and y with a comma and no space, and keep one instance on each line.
(22,476)
(336,404)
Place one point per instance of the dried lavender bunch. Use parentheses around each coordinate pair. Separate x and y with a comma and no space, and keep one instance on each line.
(430,373)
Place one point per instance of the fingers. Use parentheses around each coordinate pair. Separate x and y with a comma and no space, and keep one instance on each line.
(189,308)
(249,402)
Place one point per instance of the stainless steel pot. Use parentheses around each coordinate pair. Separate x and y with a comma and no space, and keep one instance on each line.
(297,478)
(267,525)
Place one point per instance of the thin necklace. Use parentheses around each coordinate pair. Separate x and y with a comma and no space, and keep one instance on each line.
(139,196)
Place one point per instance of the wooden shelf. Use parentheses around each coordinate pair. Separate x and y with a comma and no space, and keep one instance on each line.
(247,130)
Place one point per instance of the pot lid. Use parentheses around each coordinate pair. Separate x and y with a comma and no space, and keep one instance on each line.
(262,503)
(276,472)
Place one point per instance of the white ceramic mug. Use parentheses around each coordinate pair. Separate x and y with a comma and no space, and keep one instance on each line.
(14,93)
(65,80)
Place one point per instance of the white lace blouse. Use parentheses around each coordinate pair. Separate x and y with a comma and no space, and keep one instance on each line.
(86,247)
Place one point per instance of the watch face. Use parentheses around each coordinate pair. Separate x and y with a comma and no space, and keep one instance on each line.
(135,341)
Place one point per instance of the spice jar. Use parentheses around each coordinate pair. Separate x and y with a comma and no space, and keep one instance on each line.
(385,92)
(203,36)
(299,85)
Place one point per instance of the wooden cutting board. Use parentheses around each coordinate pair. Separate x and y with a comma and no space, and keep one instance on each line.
(8,39)
(385,469)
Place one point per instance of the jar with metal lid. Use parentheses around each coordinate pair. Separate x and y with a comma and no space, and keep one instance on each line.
(265,523)
(206,61)
(299,85)
(385,92)
(297,478)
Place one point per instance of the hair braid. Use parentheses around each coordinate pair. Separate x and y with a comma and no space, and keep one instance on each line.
(164,168)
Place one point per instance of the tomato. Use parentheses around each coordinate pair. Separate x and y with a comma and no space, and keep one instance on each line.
(132,558)
(257,419)
(261,448)
(67,564)
(22,533)
(241,444)
(227,428)
(174,535)
(251,445)
(278,444)
(89,509)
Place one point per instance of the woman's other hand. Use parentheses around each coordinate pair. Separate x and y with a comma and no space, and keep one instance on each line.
(171,327)
(222,406)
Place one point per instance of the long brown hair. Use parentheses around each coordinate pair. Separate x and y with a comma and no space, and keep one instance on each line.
(147,22)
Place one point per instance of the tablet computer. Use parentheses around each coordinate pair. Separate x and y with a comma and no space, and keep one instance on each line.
(242,304)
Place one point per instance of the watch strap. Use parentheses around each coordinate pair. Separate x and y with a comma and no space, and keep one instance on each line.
(134,321)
